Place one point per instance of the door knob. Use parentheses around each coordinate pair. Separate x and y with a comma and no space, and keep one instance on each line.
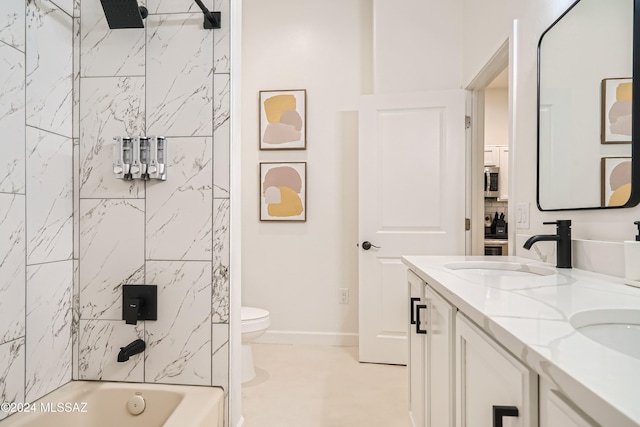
(366,245)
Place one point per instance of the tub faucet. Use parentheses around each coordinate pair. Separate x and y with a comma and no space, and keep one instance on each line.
(134,347)
(563,239)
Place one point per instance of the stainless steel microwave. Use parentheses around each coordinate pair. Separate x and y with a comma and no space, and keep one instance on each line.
(491,181)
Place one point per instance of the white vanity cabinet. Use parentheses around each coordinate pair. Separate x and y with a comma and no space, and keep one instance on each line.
(416,366)
(440,364)
(431,356)
(493,388)
(557,410)
(486,351)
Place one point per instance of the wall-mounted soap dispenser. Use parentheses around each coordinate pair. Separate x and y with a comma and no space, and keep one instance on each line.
(136,167)
(632,256)
(122,156)
(140,158)
(157,168)
(143,142)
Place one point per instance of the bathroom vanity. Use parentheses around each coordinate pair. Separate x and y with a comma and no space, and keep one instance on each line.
(522,343)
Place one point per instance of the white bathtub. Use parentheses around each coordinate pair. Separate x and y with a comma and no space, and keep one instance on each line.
(104,404)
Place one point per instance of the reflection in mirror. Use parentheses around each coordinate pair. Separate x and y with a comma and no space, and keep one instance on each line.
(584,107)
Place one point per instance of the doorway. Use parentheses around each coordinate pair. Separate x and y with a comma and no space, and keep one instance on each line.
(496,165)
(489,151)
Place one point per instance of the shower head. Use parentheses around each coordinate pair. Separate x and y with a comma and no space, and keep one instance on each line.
(124,13)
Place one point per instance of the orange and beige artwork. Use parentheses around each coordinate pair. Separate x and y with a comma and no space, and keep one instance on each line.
(616,123)
(282,120)
(283,191)
(616,180)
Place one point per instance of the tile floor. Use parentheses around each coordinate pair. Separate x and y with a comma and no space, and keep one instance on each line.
(322,386)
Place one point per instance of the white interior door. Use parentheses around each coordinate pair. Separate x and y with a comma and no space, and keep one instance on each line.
(411,202)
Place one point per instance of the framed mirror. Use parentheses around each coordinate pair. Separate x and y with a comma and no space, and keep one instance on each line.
(587,132)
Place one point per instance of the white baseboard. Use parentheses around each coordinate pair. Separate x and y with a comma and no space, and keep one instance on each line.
(310,338)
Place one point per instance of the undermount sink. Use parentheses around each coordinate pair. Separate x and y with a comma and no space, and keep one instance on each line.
(618,329)
(500,268)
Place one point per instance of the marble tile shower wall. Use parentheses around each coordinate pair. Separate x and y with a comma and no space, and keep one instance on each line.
(36,197)
(71,234)
(170,78)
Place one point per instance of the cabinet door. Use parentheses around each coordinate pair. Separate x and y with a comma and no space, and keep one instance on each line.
(489,379)
(416,351)
(440,361)
(557,410)
(491,155)
(503,184)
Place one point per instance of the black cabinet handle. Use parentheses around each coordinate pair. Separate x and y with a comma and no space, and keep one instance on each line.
(412,301)
(418,308)
(503,411)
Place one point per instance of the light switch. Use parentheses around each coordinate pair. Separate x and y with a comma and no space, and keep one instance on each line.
(522,215)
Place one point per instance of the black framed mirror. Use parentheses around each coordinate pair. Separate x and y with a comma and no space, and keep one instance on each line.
(588,131)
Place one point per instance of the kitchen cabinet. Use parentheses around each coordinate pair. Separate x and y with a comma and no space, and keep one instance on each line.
(503,182)
(498,155)
(503,185)
(491,155)
(558,410)
(416,365)
(492,386)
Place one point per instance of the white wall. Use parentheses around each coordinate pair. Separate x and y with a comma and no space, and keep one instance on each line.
(294,270)
(417,45)
(496,117)
(337,50)
(487,25)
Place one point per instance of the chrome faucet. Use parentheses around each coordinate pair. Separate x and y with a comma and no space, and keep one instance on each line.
(134,347)
(563,239)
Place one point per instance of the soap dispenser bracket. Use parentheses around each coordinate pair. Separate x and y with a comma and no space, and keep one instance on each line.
(139,302)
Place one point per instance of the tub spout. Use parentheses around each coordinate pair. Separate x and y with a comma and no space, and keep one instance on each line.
(563,239)
(135,347)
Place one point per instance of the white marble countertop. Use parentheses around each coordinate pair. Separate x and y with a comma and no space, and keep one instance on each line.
(530,318)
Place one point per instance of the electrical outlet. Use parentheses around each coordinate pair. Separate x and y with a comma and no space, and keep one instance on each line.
(344,295)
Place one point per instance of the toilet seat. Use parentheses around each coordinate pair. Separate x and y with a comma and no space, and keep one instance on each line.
(254,319)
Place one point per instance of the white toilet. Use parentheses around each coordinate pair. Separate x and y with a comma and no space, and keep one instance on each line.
(255,322)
